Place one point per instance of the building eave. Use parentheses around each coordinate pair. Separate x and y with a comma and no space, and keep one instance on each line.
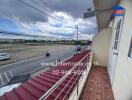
(103,10)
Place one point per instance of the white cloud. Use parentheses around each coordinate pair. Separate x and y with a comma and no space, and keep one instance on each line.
(68,12)
(62,28)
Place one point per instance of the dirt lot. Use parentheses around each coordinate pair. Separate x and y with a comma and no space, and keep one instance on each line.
(20,52)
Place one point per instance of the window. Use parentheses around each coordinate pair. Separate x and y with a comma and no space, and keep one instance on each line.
(130,49)
(117,35)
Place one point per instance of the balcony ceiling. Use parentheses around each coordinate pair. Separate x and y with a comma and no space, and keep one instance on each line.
(103,11)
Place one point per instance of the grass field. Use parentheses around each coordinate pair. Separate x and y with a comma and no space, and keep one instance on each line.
(20,52)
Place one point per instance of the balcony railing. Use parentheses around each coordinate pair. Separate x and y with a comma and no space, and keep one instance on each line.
(76,86)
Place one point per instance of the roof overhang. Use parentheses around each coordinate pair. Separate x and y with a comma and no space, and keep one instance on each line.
(103,10)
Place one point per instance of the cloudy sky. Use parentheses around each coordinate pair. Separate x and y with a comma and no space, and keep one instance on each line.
(47,18)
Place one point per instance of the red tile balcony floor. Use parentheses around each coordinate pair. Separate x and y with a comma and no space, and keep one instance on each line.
(97,86)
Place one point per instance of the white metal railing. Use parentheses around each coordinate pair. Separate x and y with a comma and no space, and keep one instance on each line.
(49,92)
(81,82)
(75,82)
(67,85)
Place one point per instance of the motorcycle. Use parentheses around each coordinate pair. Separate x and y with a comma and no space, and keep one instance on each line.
(47,54)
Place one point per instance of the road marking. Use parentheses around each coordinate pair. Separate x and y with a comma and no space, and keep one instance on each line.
(6,76)
(11,73)
(1,80)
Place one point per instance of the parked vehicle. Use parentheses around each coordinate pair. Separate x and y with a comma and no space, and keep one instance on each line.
(78,48)
(4,56)
(76,53)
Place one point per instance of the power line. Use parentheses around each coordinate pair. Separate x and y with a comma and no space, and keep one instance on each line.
(37,3)
(44,2)
(31,6)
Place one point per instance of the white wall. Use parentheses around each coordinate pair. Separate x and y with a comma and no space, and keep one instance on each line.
(122,84)
(101,46)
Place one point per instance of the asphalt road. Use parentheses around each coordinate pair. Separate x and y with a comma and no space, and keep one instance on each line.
(31,65)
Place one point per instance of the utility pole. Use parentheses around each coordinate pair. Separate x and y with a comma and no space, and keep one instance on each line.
(76,27)
(77,31)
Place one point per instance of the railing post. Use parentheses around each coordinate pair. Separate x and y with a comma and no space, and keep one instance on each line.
(61,80)
(77,87)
